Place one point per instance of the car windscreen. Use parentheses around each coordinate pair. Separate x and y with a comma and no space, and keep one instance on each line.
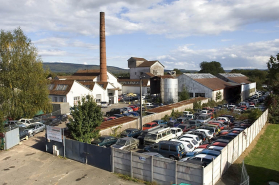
(182,126)
(146,125)
(121,142)
(151,136)
(181,147)
(31,126)
(126,132)
(100,139)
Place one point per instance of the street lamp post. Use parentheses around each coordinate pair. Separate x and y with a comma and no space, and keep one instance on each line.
(141,102)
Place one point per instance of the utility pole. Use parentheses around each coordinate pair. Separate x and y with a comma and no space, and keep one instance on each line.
(140,127)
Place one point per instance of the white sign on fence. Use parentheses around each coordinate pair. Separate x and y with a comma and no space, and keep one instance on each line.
(54,133)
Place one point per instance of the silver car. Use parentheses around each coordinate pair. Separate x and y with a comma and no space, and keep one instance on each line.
(35,128)
(126,143)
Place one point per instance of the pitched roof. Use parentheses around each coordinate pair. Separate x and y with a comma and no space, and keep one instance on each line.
(236,77)
(103,84)
(209,80)
(150,74)
(89,85)
(87,72)
(54,83)
(147,63)
(133,82)
(78,78)
(137,58)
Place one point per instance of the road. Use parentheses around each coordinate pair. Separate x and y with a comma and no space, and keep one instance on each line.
(27,163)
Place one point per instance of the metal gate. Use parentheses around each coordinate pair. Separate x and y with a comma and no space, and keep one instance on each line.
(75,150)
(99,157)
(11,138)
(244,175)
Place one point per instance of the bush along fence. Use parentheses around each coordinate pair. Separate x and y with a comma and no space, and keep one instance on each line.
(148,168)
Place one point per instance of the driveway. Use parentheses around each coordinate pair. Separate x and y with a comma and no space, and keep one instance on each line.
(27,163)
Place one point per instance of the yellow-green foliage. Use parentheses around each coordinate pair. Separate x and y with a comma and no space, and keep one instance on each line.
(23,80)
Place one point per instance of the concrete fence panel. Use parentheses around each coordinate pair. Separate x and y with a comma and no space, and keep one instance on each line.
(189,173)
(208,175)
(224,159)
(164,170)
(216,168)
(141,166)
(240,146)
(122,162)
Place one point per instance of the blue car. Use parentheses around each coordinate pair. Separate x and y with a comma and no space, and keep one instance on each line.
(161,122)
(210,152)
(130,132)
(135,113)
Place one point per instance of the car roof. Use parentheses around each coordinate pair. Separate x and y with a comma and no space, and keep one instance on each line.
(126,138)
(170,142)
(216,147)
(131,129)
(206,156)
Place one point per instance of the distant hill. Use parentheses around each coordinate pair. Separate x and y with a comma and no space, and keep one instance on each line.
(58,67)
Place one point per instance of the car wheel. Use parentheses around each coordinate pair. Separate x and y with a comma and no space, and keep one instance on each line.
(172,158)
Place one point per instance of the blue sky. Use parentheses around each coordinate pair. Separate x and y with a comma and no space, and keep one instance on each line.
(180,34)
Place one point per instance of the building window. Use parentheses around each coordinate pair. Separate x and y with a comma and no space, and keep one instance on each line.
(191,95)
(55,99)
(76,100)
(199,94)
(110,94)
(61,99)
(61,87)
(155,72)
(98,98)
(50,86)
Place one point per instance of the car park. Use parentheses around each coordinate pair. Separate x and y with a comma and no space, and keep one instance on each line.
(126,143)
(158,135)
(173,123)
(208,134)
(205,159)
(176,132)
(185,127)
(104,141)
(195,137)
(210,152)
(203,118)
(130,132)
(161,122)
(187,145)
(190,140)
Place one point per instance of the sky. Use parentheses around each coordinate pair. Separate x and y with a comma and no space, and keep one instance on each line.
(179,33)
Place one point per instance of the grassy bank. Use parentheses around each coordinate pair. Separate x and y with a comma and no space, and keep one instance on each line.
(263,162)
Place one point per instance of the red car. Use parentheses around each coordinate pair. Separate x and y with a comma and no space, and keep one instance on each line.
(149,125)
(204,146)
(135,108)
(219,144)
(221,126)
(243,107)
(113,117)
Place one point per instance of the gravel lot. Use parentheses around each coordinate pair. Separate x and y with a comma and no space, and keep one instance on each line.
(27,163)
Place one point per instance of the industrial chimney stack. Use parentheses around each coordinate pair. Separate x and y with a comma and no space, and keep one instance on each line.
(103,58)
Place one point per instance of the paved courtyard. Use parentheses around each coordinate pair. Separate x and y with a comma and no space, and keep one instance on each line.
(27,163)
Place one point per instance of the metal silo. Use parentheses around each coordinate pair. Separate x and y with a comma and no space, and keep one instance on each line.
(170,90)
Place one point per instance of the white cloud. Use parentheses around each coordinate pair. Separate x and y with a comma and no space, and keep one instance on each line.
(226,40)
(85,63)
(233,56)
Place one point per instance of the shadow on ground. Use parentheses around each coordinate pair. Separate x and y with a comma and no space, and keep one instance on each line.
(260,175)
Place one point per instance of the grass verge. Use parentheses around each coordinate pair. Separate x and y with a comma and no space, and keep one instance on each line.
(128,178)
(262,163)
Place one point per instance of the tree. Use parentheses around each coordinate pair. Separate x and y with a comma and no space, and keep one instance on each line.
(23,90)
(177,71)
(184,94)
(218,96)
(211,67)
(87,116)
(1,123)
(273,73)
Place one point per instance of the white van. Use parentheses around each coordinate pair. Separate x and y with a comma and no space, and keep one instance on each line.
(195,137)
(158,135)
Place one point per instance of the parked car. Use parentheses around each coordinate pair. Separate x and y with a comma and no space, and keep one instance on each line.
(176,132)
(126,143)
(134,107)
(204,158)
(35,128)
(104,104)
(195,137)
(118,115)
(190,140)
(114,111)
(149,125)
(27,122)
(161,122)
(105,141)
(203,118)
(52,121)
(173,123)
(127,109)
(182,120)
(186,127)
(170,149)
(130,132)
(187,145)
(135,114)
(208,134)
(143,133)
(194,123)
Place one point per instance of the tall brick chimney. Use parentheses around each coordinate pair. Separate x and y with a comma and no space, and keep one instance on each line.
(103,58)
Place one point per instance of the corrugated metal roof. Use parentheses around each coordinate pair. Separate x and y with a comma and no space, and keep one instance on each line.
(199,75)
(137,58)
(232,74)
(240,80)
(87,72)
(115,122)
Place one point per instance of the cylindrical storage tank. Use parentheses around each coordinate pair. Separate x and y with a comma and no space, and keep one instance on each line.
(170,90)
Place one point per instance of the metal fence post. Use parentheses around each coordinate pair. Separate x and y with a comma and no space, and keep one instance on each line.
(175,171)
(151,167)
(64,147)
(112,159)
(212,172)
(131,158)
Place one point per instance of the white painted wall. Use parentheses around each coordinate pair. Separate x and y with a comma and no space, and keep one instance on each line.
(77,90)
(215,92)
(134,89)
(245,90)
(193,86)
(136,72)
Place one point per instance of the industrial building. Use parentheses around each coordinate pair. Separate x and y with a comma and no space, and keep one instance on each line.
(209,86)
(166,87)
(248,88)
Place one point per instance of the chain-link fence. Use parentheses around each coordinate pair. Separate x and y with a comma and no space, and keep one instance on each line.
(244,175)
